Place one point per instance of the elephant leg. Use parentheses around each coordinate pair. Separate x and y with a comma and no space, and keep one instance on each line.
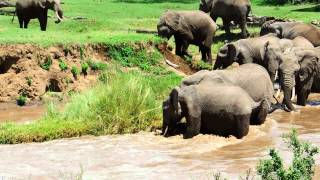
(259,115)
(243,27)
(302,97)
(209,55)
(184,48)
(226,25)
(26,22)
(178,42)
(193,127)
(43,20)
(203,53)
(20,21)
(242,125)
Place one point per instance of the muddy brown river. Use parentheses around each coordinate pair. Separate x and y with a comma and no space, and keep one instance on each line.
(147,156)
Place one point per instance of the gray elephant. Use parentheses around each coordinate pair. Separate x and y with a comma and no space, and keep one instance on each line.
(243,51)
(298,68)
(228,10)
(188,27)
(272,52)
(308,77)
(219,97)
(290,30)
(31,9)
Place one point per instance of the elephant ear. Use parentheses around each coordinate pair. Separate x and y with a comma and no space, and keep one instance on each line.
(174,99)
(178,23)
(43,3)
(233,51)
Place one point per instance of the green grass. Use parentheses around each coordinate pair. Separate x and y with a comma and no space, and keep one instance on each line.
(123,103)
(109,21)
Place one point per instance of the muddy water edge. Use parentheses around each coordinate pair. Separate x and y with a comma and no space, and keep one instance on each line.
(147,156)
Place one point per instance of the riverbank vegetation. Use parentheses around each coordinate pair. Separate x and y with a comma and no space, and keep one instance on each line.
(128,98)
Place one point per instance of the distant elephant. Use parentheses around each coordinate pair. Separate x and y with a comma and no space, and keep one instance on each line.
(220,97)
(298,68)
(188,27)
(290,30)
(228,10)
(243,51)
(31,9)
(272,56)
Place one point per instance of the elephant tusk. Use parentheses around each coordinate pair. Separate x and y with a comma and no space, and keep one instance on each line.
(278,93)
(165,131)
(293,93)
(60,19)
(276,76)
(171,64)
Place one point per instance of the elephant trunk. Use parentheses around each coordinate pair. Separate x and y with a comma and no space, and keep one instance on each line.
(288,85)
(217,65)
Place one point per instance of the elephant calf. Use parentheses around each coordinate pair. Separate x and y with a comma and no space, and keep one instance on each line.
(291,30)
(188,27)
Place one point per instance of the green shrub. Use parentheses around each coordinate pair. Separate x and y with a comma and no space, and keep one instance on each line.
(302,166)
(21,101)
(146,60)
(75,71)
(84,68)
(47,64)
(81,52)
(63,66)
(29,80)
(97,66)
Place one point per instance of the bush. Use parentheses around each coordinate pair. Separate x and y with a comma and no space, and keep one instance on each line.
(29,80)
(47,64)
(146,60)
(21,101)
(63,66)
(75,71)
(97,66)
(84,68)
(302,166)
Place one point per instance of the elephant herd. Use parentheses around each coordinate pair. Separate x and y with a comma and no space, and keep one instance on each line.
(226,102)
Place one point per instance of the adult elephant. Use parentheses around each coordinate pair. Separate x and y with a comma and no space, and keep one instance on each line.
(213,102)
(308,78)
(188,27)
(228,10)
(31,9)
(243,51)
(291,30)
(298,68)
(272,52)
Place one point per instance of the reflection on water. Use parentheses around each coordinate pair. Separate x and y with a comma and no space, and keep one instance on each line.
(146,156)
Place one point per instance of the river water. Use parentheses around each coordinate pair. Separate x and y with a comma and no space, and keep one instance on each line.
(148,156)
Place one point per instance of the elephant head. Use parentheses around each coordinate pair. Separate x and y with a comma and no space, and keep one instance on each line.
(297,64)
(171,113)
(271,55)
(309,68)
(172,22)
(205,5)
(53,5)
(227,55)
(271,27)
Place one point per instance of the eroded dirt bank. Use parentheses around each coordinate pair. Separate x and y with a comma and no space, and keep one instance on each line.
(32,70)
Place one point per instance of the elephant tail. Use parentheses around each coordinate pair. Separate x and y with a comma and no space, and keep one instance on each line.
(14,14)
